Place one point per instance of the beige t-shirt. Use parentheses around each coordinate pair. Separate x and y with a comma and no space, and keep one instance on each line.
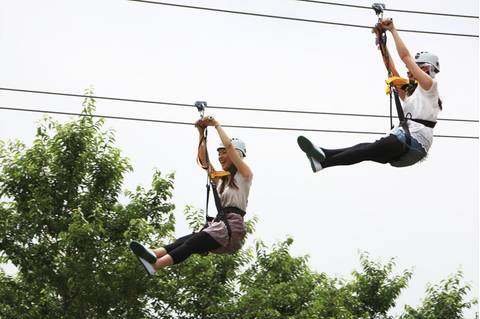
(234,197)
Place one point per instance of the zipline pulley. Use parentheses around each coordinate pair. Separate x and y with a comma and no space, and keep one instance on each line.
(378,7)
(201,105)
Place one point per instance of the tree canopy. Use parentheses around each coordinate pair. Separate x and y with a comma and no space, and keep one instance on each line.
(62,225)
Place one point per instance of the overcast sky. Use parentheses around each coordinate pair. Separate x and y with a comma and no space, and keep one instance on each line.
(426,216)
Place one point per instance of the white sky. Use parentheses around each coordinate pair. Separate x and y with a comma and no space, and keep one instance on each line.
(425,216)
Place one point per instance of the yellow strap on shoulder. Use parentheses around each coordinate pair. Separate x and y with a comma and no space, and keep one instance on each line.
(215,174)
(395,80)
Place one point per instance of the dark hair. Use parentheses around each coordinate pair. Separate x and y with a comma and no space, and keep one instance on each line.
(225,179)
(410,88)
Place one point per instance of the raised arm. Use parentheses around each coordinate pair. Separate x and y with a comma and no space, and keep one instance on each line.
(387,59)
(423,79)
(389,63)
(241,166)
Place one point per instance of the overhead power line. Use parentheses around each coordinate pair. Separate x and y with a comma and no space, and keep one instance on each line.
(224,125)
(295,19)
(274,110)
(393,10)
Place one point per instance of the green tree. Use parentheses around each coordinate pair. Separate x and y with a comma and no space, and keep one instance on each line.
(276,285)
(374,290)
(62,225)
(443,301)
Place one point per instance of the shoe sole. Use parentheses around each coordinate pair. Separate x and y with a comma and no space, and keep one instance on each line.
(312,165)
(308,147)
(149,272)
(141,252)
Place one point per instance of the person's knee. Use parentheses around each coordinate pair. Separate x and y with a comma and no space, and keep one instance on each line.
(194,243)
(179,254)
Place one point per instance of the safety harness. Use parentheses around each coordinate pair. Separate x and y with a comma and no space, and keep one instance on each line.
(222,212)
(393,82)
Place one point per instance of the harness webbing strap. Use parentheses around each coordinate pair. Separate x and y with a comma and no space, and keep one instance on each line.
(207,218)
(381,41)
(221,212)
(224,211)
(234,210)
(206,166)
(430,124)
(401,118)
(216,197)
(223,217)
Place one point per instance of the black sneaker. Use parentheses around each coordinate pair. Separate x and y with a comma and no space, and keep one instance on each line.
(145,256)
(315,154)
(143,252)
(314,164)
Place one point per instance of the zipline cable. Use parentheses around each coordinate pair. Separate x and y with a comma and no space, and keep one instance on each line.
(393,10)
(296,19)
(226,125)
(118,99)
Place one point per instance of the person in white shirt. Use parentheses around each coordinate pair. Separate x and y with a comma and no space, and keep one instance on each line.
(421,105)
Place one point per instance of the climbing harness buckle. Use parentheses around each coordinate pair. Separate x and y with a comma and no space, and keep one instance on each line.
(395,81)
(216,174)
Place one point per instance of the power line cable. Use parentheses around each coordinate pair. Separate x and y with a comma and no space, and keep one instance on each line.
(224,125)
(217,107)
(296,19)
(393,10)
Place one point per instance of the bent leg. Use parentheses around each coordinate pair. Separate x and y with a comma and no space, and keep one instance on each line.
(382,151)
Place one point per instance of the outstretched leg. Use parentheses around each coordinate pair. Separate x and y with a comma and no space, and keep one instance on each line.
(174,253)
(184,247)
(382,151)
(160,252)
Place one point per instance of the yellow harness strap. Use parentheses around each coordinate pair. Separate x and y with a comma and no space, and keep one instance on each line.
(397,81)
(215,174)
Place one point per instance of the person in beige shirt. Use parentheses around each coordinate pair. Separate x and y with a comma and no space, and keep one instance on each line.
(224,234)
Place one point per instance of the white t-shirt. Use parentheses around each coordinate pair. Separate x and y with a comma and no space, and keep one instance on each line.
(422,105)
(234,197)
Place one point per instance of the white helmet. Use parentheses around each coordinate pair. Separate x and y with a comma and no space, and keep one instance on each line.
(428,58)
(238,144)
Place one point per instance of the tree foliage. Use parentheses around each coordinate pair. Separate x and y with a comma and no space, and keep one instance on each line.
(62,225)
